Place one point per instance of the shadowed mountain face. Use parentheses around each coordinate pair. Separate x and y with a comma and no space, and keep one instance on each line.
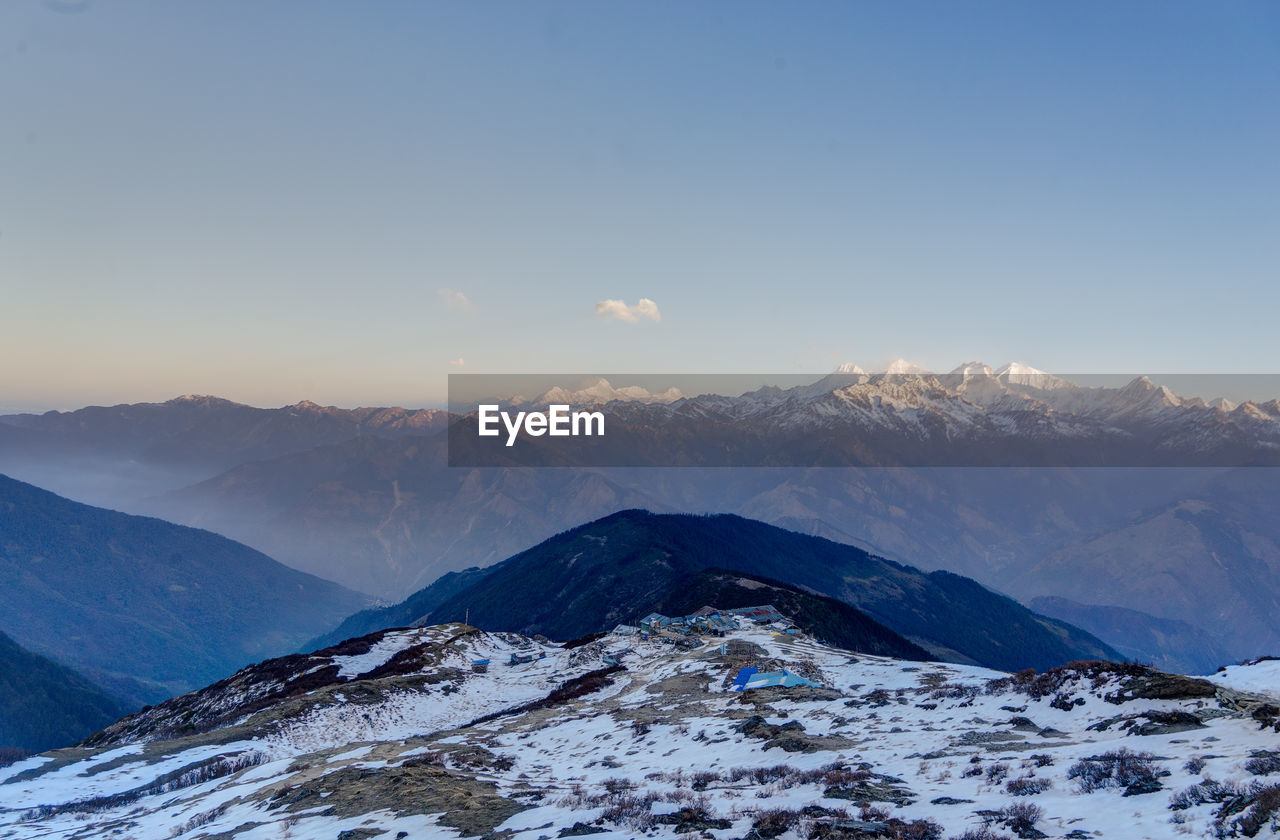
(1169,645)
(826,618)
(44,705)
(142,607)
(616,568)
(653,590)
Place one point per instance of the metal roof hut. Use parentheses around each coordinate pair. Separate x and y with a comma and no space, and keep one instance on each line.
(655,621)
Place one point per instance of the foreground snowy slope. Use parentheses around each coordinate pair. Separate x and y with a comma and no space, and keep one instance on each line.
(400,734)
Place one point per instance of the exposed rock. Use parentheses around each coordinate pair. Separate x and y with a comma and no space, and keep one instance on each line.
(974,738)
(360,833)
(876,788)
(790,736)
(1164,723)
(1157,685)
(693,819)
(468,804)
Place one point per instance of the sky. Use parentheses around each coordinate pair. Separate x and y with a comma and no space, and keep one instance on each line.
(345,202)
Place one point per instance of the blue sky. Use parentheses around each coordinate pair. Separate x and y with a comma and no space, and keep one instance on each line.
(339,201)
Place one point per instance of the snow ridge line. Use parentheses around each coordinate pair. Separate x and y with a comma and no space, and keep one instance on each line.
(579,686)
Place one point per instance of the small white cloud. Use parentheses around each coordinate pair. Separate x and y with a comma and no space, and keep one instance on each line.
(619,311)
(458,362)
(454,299)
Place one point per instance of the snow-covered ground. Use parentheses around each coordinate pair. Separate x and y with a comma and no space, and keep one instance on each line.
(663,749)
(1261,677)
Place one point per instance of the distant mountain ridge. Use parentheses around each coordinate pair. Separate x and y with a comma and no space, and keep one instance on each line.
(612,570)
(212,430)
(94,453)
(1014,417)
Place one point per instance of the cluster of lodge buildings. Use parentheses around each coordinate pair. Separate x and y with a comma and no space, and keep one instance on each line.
(685,631)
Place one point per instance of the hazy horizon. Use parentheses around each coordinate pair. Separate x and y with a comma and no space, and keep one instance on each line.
(1234,387)
(278,202)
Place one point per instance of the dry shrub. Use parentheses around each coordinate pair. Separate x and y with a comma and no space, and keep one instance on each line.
(1028,786)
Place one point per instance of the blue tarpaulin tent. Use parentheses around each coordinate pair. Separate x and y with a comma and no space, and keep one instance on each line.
(749,678)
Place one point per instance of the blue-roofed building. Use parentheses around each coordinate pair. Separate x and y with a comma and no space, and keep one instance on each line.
(744,675)
(749,678)
(655,621)
(721,624)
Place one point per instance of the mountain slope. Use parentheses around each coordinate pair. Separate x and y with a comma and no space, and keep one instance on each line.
(597,575)
(409,611)
(144,607)
(396,735)
(676,594)
(835,622)
(1213,561)
(1167,644)
(387,517)
(44,705)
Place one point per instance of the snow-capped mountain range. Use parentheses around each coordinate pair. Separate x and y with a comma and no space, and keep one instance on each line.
(975,415)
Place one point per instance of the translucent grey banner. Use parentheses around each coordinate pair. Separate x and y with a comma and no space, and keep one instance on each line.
(976,417)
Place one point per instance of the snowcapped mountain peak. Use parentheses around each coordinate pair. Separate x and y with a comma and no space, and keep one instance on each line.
(599,391)
(1019,369)
(1138,385)
(1020,373)
(200,399)
(1143,391)
(900,367)
(849,367)
(973,369)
